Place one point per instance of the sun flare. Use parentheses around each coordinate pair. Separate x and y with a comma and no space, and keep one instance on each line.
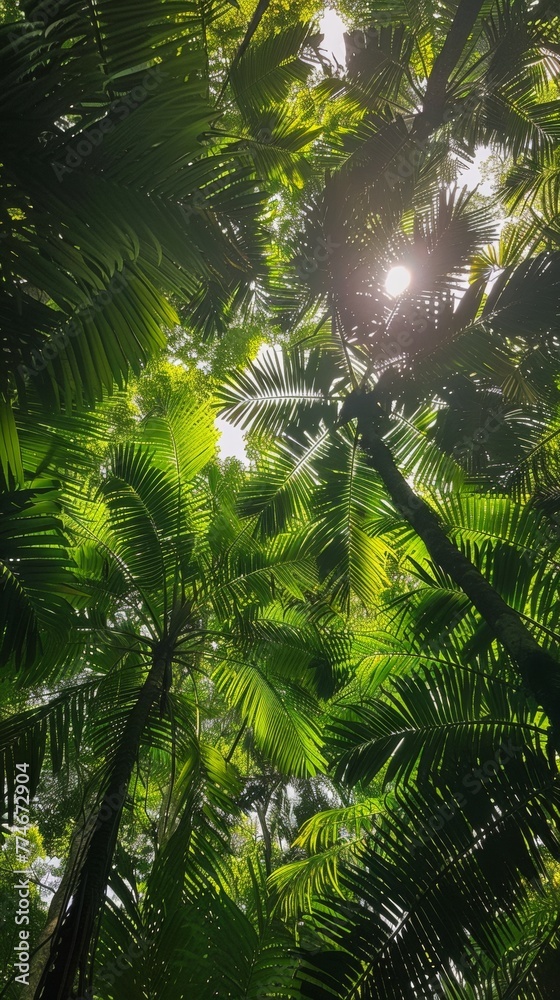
(397,281)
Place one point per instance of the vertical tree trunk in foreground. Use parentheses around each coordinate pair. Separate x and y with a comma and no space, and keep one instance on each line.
(539,671)
(71,942)
(40,957)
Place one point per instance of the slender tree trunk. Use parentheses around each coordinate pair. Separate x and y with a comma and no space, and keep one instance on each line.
(40,957)
(267,839)
(71,942)
(256,19)
(432,114)
(539,670)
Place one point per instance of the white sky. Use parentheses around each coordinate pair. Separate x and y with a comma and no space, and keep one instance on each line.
(471,175)
(332,27)
(231,443)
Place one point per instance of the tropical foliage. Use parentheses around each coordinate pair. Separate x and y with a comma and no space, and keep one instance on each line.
(291,724)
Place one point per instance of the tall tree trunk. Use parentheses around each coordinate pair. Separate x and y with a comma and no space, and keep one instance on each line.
(267,839)
(539,670)
(71,943)
(433,107)
(40,957)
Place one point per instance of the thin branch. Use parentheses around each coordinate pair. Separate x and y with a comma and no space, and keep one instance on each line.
(235,743)
(256,19)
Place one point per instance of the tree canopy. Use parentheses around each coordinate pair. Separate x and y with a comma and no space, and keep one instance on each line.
(286,725)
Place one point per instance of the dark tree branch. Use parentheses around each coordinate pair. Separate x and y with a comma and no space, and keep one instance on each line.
(233,747)
(539,670)
(256,19)
(432,114)
(267,839)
